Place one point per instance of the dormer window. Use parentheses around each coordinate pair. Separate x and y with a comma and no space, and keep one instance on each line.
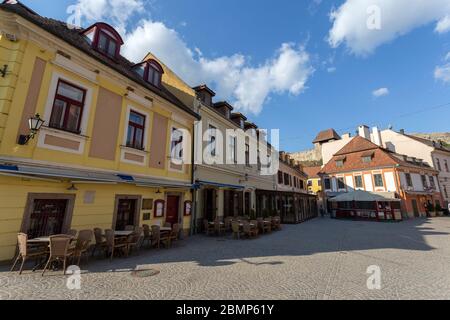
(105,39)
(151,71)
(340,161)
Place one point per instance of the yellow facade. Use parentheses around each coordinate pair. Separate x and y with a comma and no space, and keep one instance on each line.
(314,186)
(20,55)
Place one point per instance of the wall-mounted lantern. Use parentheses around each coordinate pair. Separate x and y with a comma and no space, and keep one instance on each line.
(4,70)
(35,123)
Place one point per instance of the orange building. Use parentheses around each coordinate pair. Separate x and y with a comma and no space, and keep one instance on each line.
(364,166)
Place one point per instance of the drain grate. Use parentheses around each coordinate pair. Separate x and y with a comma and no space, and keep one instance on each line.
(146,273)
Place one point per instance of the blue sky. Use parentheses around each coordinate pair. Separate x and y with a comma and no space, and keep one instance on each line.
(332,84)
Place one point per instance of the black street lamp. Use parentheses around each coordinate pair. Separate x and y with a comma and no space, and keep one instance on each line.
(35,123)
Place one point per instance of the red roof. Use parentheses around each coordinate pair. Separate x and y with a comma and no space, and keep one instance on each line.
(326,135)
(312,172)
(352,155)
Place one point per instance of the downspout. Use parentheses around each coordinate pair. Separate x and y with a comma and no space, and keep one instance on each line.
(193,171)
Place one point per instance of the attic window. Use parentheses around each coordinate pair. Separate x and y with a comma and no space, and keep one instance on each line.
(340,161)
(105,39)
(151,71)
(367,156)
(154,73)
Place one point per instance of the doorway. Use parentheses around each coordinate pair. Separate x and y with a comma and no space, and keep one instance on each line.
(415,208)
(126,214)
(247,203)
(173,210)
(47,217)
(210,204)
(47,214)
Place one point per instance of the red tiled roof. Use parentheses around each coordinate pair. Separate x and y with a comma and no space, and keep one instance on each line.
(326,135)
(355,150)
(312,172)
(358,143)
(75,38)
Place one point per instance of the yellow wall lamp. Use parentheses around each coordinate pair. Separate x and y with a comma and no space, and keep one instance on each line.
(35,123)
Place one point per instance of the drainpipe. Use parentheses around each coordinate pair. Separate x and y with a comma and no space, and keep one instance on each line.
(193,190)
(193,170)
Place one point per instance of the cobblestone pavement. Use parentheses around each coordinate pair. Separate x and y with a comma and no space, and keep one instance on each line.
(320,259)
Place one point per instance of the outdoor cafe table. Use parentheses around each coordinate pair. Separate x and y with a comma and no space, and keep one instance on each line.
(165,229)
(122,233)
(42,240)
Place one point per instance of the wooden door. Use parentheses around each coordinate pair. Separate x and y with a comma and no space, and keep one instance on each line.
(126,213)
(173,208)
(415,208)
(210,204)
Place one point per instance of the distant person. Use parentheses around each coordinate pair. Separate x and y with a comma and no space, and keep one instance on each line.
(322,212)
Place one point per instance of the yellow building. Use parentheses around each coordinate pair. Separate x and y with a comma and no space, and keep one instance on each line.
(314,182)
(104,155)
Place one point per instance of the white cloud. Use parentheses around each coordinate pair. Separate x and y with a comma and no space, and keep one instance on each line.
(234,78)
(116,11)
(350,21)
(443,25)
(442,72)
(247,87)
(380,92)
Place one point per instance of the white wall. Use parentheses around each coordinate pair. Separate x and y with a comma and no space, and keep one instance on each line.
(368,182)
(349,183)
(331,148)
(417,182)
(390,182)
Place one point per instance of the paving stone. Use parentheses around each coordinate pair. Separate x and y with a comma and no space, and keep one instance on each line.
(320,259)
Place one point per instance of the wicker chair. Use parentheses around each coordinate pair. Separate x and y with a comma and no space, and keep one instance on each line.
(100,242)
(227,222)
(158,237)
(59,250)
(236,228)
(83,245)
(112,244)
(147,235)
(134,240)
(72,232)
(175,234)
(249,231)
(276,223)
(209,229)
(219,228)
(254,226)
(26,252)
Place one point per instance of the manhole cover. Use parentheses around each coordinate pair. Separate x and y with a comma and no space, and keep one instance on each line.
(145,273)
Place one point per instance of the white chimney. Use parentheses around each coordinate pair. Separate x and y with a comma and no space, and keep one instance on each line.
(376,136)
(364,132)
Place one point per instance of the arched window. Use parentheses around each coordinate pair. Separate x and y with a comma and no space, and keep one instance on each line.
(104,39)
(151,71)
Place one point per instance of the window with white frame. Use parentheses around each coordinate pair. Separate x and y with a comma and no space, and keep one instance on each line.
(232,149)
(67,107)
(358,182)
(136,131)
(378,179)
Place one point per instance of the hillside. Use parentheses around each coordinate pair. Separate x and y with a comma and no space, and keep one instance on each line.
(445,137)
